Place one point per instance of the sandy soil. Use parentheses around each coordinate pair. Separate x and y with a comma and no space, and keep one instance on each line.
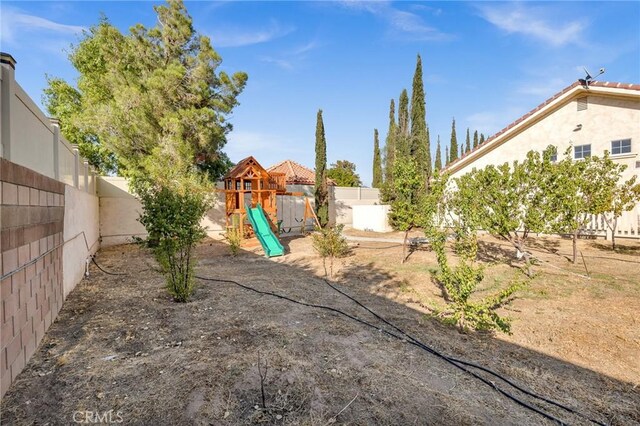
(121,345)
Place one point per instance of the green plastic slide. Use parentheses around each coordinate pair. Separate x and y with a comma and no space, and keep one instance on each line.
(269,241)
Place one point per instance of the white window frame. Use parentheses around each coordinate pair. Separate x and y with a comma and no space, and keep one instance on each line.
(582,149)
(620,146)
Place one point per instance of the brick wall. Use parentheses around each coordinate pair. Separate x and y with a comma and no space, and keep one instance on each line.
(31,229)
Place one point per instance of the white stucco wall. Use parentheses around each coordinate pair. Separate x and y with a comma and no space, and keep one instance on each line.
(119,212)
(80,222)
(372,218)
(32,129)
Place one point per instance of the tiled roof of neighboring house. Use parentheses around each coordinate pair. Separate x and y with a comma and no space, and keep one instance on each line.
(604,84)
(296,174)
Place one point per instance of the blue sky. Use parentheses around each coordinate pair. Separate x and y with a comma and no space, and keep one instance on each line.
(484,63)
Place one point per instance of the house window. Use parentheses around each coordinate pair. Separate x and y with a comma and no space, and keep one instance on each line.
(622,146)
(554,157)
(247,185)
(582,151)
(637,164)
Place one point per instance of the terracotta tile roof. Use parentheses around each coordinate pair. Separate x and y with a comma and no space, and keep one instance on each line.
(296,173)
(607,84)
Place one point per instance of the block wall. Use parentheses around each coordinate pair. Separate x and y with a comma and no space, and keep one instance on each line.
(31,230)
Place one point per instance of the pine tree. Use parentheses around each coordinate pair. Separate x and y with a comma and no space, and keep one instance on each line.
(390,145)
(454,142)
(377,164)
(402,141)
(468,142)
(321,192)
(446,156)
(475,139)
(438,165)
(419,142)
(481,138)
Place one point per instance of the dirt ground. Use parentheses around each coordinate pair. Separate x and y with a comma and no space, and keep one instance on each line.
(120,345)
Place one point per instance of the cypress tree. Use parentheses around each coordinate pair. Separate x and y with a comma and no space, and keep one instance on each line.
(438,165)
(454,142)
(321,192)
(419,142)
(377,164)
(461,151)
(390,145)
(468,142)
(481,138)
(446,156)
(402,141)
(475,139)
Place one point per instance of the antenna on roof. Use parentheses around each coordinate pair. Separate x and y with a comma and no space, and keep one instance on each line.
(588,78)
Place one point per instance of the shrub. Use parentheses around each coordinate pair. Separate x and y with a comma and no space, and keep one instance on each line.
(234,238)
(172,217)
(329,243)
(461,281)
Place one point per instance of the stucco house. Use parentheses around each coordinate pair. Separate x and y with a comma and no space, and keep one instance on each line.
(592,119)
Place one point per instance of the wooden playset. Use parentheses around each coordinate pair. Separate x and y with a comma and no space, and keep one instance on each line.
(249,186)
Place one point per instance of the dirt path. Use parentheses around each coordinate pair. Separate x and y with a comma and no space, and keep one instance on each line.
(120,344)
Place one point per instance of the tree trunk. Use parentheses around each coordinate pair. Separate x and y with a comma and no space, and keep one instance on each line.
(575,245)
(613,233)
(404,245)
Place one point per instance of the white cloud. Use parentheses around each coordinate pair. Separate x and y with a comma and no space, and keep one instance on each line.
(15,23)
(403,23)
(292,58)
(234,37)
(533,22)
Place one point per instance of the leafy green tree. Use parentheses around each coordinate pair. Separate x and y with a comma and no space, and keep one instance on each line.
(330,243)
(377,163)
(403,136)
(438,165)
(468,142)
(590,187)
(321,190)
(508,201)
(405,208)
(156,99)
(419,148)
(623,197)
(390,150)
(454,143)
(65,103)
(343,172)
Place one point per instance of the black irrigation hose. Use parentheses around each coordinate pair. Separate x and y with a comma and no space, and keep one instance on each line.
(470,364)
(413,342)
(93,259)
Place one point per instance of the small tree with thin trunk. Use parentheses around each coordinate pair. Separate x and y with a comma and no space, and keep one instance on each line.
(508,201)
(591,187)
